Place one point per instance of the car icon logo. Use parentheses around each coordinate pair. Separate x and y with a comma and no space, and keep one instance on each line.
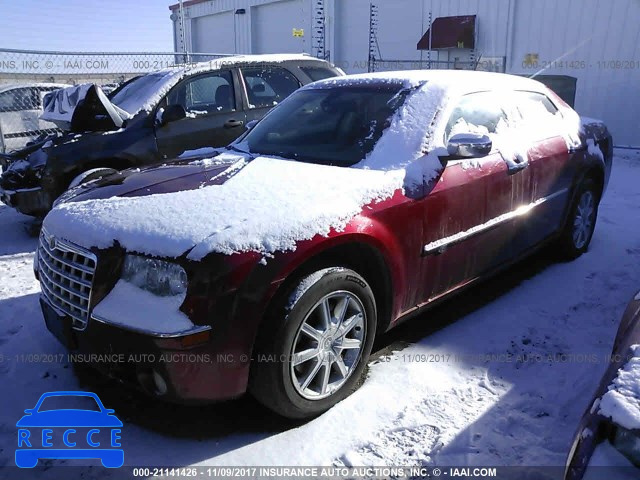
(69,425)
(52,242)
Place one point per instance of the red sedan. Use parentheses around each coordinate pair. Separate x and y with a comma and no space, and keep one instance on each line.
(356,202)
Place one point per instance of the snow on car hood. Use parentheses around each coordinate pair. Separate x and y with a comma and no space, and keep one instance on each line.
(621,403)
(267,206)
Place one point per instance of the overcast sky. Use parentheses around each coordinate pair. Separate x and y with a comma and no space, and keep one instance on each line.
(87,25)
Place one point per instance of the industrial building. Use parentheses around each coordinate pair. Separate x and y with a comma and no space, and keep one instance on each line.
(570,42)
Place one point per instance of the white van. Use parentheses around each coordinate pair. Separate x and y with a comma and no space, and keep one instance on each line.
(20,109)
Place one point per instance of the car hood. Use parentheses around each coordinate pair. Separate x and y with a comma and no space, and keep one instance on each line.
(169,177)
(227,204)
(82,108)
(69,418)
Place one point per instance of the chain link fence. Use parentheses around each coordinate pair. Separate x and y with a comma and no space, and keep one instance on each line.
(26,76)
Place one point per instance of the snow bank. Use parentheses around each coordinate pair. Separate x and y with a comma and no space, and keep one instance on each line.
(622,402)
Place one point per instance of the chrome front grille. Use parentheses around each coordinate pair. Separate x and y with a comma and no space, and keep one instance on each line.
(66,276)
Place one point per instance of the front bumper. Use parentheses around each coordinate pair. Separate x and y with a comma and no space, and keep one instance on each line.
(34,202)
(189,367)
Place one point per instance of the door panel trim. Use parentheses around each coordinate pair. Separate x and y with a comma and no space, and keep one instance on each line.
(439,246)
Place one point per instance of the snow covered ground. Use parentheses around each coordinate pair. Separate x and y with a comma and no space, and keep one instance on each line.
(499,376)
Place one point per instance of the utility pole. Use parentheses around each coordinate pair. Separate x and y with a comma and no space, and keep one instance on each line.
(185,51)
(373,36)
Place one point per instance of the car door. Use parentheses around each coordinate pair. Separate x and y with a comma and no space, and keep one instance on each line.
(542,128)
(467,227)
(214,117)
(266,86)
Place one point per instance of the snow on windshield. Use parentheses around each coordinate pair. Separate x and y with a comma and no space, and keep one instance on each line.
(144,92)
(622,402)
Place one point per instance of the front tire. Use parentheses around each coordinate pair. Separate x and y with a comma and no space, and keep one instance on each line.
(313,349)
(581,222)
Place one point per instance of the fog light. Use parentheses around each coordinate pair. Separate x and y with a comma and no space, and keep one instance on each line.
(159,383)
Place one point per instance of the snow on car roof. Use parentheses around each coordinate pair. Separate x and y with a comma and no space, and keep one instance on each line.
(173,74)
(622,402)
(461,80)
(192,68)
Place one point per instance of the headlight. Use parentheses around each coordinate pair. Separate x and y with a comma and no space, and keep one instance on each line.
(161,278)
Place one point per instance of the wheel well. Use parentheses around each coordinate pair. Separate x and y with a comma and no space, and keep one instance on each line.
(597,175)
(363,259)
(115,163)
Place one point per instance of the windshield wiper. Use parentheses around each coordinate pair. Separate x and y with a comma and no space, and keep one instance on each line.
(236,149)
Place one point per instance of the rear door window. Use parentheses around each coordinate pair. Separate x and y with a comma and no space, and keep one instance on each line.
(267,87)
(480,113)
(538,115)
(318,73)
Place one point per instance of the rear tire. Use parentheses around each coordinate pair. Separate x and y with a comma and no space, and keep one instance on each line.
(581,221)
(313,348)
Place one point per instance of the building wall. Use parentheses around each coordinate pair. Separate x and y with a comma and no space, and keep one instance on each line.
(580,38)
(595,41)
(242,28)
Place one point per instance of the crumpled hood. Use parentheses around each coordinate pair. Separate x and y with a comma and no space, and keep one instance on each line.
(81,108)
(263,205)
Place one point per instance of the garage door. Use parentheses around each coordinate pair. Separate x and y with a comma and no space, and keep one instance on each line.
(214,33)
(272,28)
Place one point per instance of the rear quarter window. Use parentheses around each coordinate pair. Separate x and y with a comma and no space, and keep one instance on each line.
(316,73)
(533,104)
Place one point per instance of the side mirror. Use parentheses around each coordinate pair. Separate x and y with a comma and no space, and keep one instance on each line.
(469,145)
(251,124)
(172,113)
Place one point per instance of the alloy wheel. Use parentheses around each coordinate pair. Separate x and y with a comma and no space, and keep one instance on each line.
(328,345)
(584,219)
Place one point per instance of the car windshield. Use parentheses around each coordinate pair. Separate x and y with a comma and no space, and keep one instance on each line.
(69,402)
(334,126)
(140,92)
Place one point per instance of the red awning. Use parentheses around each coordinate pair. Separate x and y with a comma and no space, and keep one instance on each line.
(450,32)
